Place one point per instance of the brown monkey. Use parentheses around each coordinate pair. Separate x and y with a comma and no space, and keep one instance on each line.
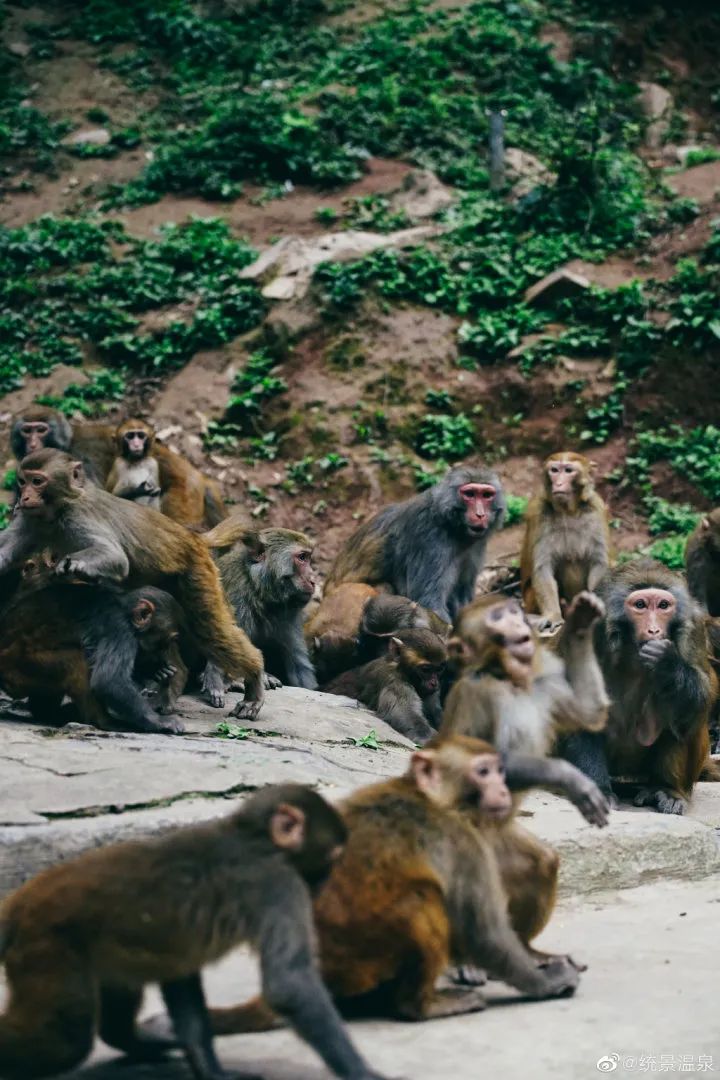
(403,687)
(97,644)
(80,941)
(42,428)
(429,548)
(135,473)
(331,632)
(99,538)
(515,693)
(386,614)
(702,562)
(419,888)
(654,654)
(268,578)
(713,632)
(566,543)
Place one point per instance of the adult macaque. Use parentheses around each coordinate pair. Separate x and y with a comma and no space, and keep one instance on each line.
(702,562)
(403,687)
(430,548)
(331,632)
(187,496)
(97,645)
(566,544)
(518,695)
(42,428)
(101,539)
(418,889)
(135,473)
(653,649)
(81,940)
(268,578)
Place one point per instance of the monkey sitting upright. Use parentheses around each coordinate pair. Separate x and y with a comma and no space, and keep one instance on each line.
(566,543)
(702,563)
(268,578)
(135,473)
(81,940)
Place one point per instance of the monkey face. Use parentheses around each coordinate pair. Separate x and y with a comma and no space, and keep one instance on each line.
(650,612)
(428,678)
(35,434)
(135,444)
(33,492)
(487,774)
(562,477)
(303,574)
(479,501)
(509,627)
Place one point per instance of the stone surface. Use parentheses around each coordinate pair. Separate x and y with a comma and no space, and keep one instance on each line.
(526,171)
(422,195)
(558,285)
(63,790)
(657,104)
(88,137)
(650,989)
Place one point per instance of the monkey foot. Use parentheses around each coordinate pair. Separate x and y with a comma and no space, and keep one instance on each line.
(584,611)
(663,801)
(454,1003)
(467,975)
(557,959)
(246,710)
(271,682)
(215,698)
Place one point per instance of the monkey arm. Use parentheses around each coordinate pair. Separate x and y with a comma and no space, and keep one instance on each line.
(587,706)
(401,707)
(682,692)
(698,571)
(546,592)
(292,986)
(15,542)
(523,772)
(105,559)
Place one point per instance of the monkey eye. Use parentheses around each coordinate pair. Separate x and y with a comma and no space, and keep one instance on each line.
(640,605)
(664,605)
(37,481)
(483,771)
(302,556)
(496,614)
(21,481)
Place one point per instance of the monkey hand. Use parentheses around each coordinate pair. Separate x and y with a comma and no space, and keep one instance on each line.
(77,568)
(165,673)
(148,488)
(590,801)
(560,976)
(271,683)
(584,611)
(249,708)
(169,725)
(653,651)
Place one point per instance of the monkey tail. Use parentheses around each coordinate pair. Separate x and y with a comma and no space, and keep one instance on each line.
(710,770)
(218,636)
(229,531)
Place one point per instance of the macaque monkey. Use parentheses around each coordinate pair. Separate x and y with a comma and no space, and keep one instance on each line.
(101,539)
(654,653)
(518,695)
(431,547)
(702,563)
(135,473)
(402,687)
(417,889)
(566,544)
(268,578)
(187,496)
(331,632)
(99,646)
(384,616)
(81,940)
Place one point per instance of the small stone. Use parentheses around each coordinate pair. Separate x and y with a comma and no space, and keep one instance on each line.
(559,285)
(88,137)
(657,104)
(19,48)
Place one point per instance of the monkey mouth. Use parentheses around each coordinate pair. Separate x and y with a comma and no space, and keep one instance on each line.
(497,813)
(477,530)
(523,650)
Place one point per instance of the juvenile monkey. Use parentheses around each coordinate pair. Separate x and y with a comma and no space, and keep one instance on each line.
(81,940)
(384,616)
(518,695)
(654,653)
(419,888)
(402,687)
(135,473)
(268,578)
(431,547)
(101,539)
(331,632)
(566,544)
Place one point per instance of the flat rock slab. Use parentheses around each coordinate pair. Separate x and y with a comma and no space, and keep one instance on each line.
(66,789)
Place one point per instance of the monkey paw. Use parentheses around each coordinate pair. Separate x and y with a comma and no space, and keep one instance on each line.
(169,725)
(562,977)
(271,682)
(246,710)
(592,804)
(216,698)
(165,674)
(663,801)
(652,651)
(70,567)
(584,611)
(467,975)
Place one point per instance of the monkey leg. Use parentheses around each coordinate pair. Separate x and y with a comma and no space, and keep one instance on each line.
(50,1020)
(213,685)
(45,708)
(118,1011)
(529,870)
(185,1002)
(675,768)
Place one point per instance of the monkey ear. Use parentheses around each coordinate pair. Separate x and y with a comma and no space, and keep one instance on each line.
(142,614)
(592,466)
(287,827)
(423,766)
(457,649)
(77,474)
(705,524)
(255,546)
(394,646)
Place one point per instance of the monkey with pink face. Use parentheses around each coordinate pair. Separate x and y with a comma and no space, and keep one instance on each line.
(654,654)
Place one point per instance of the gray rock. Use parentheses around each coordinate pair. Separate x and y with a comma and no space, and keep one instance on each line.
(559,285)
(657,105)
(88,137)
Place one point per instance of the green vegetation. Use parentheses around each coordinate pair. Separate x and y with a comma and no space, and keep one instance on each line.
(369,741)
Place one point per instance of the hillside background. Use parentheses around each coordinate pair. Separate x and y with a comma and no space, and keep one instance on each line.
(152,151)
